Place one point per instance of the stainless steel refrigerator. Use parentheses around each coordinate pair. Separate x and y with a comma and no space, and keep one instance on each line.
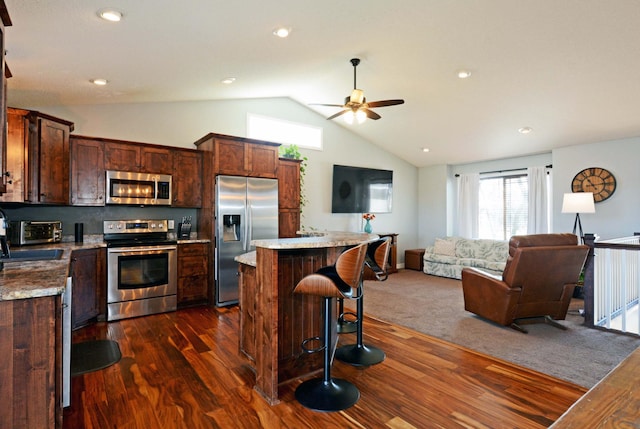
(246,209)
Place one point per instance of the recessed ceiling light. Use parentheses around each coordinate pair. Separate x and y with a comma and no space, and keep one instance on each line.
(228,80)
(282,32)
(110,15)
(100,82)
(425,149)
(463,74)
(525,130)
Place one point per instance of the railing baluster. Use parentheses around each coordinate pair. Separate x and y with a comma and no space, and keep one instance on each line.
(615,284)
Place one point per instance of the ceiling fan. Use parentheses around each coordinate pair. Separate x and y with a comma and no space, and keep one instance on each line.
(356,105)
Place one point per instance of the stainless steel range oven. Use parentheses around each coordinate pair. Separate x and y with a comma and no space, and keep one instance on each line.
(141,268)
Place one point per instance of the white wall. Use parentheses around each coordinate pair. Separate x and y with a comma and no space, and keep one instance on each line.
(617,216)
(182,123)
(433,200)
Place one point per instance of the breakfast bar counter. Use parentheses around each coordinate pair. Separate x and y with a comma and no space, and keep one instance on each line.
(274,321)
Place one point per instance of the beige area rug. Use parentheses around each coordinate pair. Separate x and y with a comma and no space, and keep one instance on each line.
(435,306)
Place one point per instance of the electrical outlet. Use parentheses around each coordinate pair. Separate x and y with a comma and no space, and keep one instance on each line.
(171,224)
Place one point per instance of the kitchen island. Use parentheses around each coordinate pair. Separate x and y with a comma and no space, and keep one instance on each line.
(273,320)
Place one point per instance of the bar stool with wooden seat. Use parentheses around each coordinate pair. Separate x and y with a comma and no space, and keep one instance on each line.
(360,354)
(339,280)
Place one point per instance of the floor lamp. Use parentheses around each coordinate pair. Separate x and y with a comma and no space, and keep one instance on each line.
(578,202)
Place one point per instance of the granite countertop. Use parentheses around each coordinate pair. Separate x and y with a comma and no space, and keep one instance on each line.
(247,258)
(21,280)
(194,241)
(319,239)
(316,240)
(33,279)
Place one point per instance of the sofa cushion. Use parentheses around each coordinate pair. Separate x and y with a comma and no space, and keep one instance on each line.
(491,250)
(444,247)
(487,255)
(487,265)
(441,259)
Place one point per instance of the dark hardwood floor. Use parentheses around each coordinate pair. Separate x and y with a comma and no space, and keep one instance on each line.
(183,370)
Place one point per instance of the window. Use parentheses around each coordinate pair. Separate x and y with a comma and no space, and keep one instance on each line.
(503,206)
(285,132)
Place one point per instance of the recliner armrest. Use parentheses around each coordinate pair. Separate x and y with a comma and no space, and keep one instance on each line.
(488,296)
(481,273)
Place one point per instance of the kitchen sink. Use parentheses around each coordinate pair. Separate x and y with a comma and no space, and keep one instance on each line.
(33,255)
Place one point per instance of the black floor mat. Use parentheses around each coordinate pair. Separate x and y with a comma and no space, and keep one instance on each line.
(91,356)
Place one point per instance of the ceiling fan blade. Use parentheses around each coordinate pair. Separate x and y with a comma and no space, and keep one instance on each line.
(338,114)
(383,103)
(330,105)
(370,114)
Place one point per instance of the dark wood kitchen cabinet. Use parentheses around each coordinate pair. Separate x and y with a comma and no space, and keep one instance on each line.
(187,178)
(288,198)
(238,156)
(38,172)
(16,154)
(87,172)
(138,157)
(88,298)
(5,21)
(193,274)
(31,363)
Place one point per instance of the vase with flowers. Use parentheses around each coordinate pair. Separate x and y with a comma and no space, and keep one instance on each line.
(368,217)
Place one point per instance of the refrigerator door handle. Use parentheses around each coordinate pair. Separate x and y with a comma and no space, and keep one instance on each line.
(248,227)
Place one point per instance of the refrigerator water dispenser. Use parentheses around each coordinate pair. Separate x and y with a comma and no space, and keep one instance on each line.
(231,227)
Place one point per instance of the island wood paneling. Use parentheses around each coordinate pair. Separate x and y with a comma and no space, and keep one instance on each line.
(284,319)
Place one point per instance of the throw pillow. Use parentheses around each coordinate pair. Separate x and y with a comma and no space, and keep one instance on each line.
(444,247)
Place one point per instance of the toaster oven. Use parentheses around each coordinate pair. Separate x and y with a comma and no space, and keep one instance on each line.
(25,232)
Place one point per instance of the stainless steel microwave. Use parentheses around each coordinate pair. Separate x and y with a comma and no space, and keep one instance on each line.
(132,188)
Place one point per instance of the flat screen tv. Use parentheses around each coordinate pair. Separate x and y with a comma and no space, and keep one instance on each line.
(361,190)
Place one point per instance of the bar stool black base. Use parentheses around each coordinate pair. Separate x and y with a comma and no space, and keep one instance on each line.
(333,395)
(346,326)
(359,355)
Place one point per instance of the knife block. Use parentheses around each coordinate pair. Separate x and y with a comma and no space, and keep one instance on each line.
(184,231)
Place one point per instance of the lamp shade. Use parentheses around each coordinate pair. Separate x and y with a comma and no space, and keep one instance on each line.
(578,202)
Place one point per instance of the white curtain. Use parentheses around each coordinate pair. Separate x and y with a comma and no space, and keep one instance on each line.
(538,222)
(468,205)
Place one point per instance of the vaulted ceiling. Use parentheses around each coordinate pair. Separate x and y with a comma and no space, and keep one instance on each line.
(566,69)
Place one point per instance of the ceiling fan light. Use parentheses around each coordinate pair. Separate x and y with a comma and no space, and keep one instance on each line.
(357,96)
(355,116)
(349,117)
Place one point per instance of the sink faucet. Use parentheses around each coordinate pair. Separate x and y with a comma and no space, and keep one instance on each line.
(4,245)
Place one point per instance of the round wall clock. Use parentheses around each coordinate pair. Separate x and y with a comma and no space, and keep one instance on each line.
(597,180)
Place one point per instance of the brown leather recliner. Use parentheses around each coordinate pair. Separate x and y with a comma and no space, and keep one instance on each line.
(537,281)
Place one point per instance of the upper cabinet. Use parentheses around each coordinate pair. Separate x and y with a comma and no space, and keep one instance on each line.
(5,21)
(37,159)
(187,178)
(128,156)
(288,198)
(87,172)
(238,156)
(92,156)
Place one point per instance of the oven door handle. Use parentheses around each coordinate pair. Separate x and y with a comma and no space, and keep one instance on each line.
(140,249)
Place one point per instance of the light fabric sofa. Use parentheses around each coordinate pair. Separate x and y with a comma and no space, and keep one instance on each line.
(448,256)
